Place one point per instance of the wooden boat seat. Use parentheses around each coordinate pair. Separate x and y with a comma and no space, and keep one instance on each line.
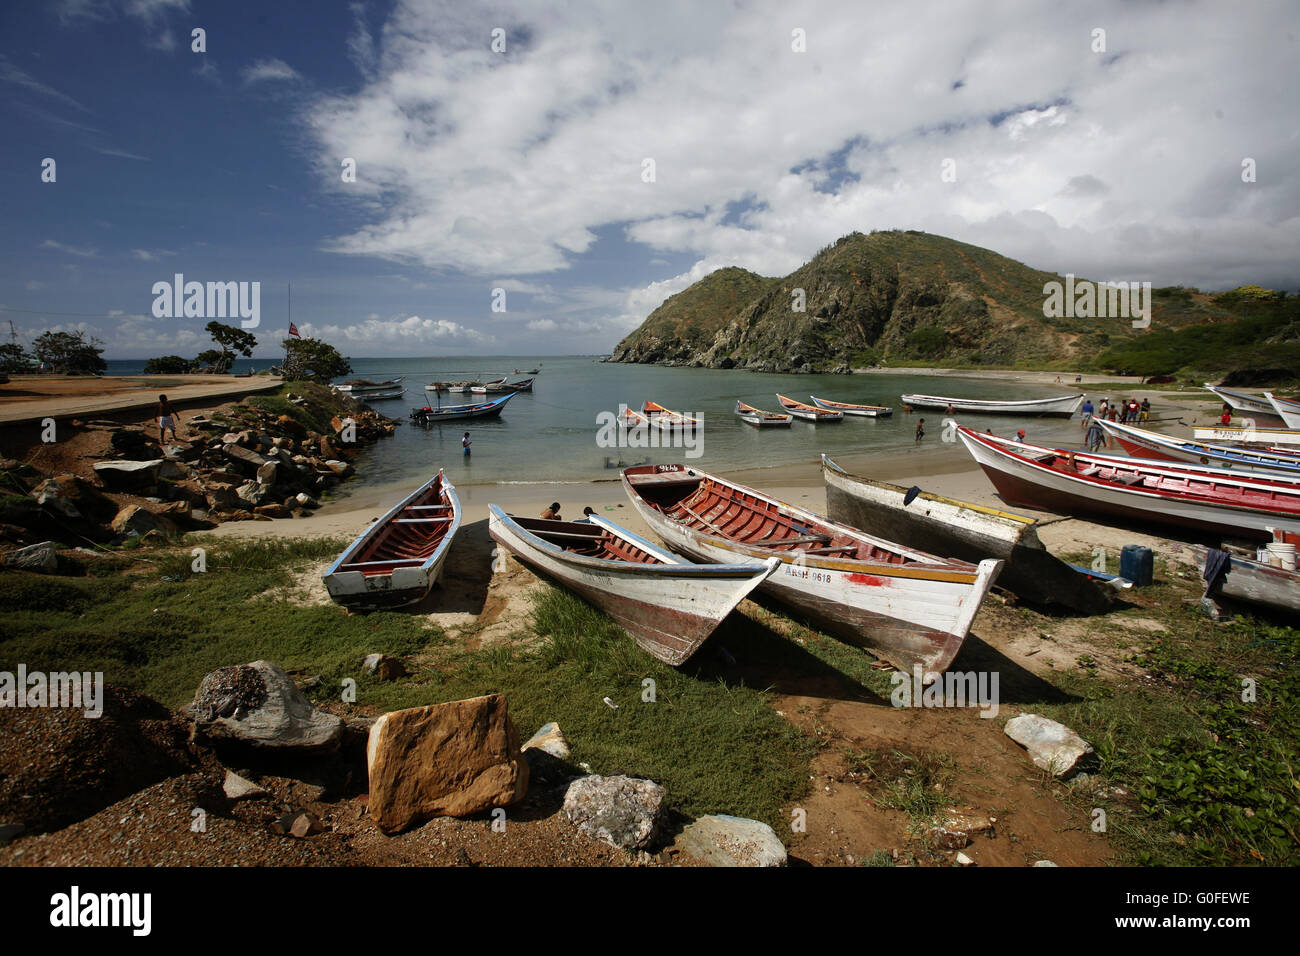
(426,507)
(1090,470)
(371,564)
(420,520)
(1132,478)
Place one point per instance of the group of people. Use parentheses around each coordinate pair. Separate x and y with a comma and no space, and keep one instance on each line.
(1130,410)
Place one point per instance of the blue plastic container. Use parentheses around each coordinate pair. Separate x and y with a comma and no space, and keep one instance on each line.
(1137,564)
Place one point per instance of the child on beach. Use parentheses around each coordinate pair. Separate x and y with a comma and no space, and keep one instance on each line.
(166,419)
(465,443)
(920,430)
(553,512)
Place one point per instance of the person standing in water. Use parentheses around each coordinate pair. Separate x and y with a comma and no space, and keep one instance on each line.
(465,443)
(920,430)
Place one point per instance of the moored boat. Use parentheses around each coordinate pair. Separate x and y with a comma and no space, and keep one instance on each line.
(526,385)
(1061,406)
(399,557)
(364,390)
(1269,439)
(1148,444)
(1245,404)
(668,606)
(449,413)
(665,419)
(961,529)
(490,388)
(905,606)
(809,413)
(861,411)
(1134,489)
(1285,409)
(759,418)
(1254,582)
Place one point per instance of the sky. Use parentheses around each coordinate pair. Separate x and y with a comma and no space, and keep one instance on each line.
(537,177)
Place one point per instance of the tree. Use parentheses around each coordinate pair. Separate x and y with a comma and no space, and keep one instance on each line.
(12,357)
(167,365)
(214,359)
(231,340)
(929,340)
(70,353)
(311,360)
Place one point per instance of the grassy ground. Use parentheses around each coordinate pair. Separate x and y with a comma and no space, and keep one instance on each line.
(1188,771)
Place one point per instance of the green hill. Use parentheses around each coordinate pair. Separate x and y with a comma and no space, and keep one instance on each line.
(905,298)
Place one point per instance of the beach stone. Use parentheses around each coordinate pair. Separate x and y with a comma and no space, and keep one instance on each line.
(964,860)
(128,475)
(221,497)
(239,788)
(266,475)
(307,501)
(946,838)
(383,667)
(252,493)
(1052,746)
(257,705)
(340,468)
(173,471)
(1046,863)
(74,498)
(722,840)
(133,520)
(243,456)
(453,759)
(273,511)
(176,509)
(622,811)
(549,739)
(35,557)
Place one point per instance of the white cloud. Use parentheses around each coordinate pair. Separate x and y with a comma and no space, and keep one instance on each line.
(151,255)
(509,163)
(84,252)
(272,69)
(410,335)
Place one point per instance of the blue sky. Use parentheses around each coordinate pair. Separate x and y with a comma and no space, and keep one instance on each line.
(522,169)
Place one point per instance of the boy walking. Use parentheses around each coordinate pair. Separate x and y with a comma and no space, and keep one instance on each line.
(465,443)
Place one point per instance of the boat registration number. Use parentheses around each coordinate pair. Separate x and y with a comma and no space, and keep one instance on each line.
(808,574)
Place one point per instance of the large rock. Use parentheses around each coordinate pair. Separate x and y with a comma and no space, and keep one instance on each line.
(622,811)
(133,520)
(1053,747)
(74,498)
(550,739)
(722,840)
(128,475)
(36,557)
(245,457)
(257,705)
(452,759)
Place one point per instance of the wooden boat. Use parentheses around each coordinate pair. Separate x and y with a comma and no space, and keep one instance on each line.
(960,529)
(1253,582)
(665,419)
(522,386)
(1285,409)
(759,418)
(449,386)
(1062,406)
(862,411)
(1148,444)
(399,557)
(905,606)
(1245,404)
(809,413)
(450,413)
(1269,439)
(490,388)
(1134,489)
(364,390)
(668,605)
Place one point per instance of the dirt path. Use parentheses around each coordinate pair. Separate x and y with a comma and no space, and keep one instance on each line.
(32,397)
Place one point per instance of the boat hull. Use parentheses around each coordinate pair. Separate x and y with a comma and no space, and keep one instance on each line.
(1023,482)
(668,609)
(1285,409)
(1145,444)
(1238,435)
(394,580)
(971,532)
(454,413)
(911,616)
(1255,583)
(1063,406)
(808,413)
(1250,406)
(860,411)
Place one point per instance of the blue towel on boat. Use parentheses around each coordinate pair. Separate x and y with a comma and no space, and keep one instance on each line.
(911,495)
(1216,567)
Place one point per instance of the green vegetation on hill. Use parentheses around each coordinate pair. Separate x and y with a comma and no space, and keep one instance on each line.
(910,298)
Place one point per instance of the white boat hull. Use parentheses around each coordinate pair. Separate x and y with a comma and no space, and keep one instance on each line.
(1063,406)
(1236,434)
(1286,409)
(1143,442)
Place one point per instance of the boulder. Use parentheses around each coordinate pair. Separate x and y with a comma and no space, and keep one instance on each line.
(1052,746)
(128,475)
(134,520)
(257,706)
(246,458)
(176,510)
(266,475)
(452,759)
(36,557)
(722,840)
(222,498)
(253,494)
(134,445)
(383,667)
(173,471)
(74,498)
(273,511)
(622,811)
(341,468)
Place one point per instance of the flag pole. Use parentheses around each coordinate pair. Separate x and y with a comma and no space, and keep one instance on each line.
(286,334)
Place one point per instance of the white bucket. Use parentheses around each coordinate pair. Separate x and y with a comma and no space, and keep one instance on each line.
(1285,553)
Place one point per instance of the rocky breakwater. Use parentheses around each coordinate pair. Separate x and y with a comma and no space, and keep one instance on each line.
(264,458)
